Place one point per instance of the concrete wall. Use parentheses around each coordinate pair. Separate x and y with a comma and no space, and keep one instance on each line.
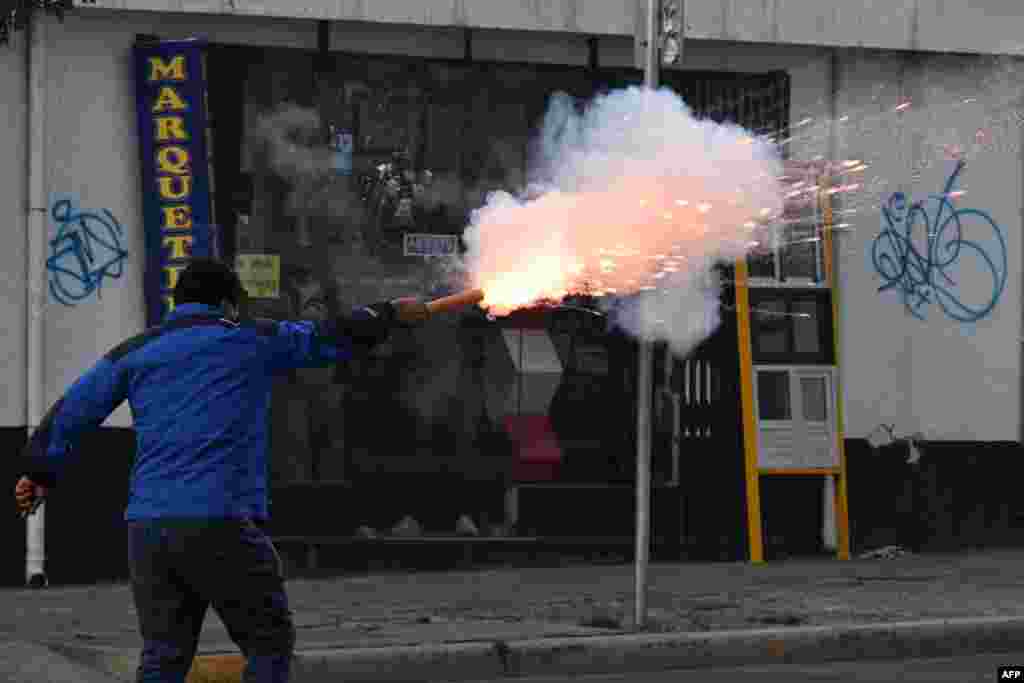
(981,26)
(948,380)
(92,158)
(916,374)
(605,17)
(918,25)
(13,111)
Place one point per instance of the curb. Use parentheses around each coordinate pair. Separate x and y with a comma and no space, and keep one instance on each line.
(627,653)
(641,653)
(445,662)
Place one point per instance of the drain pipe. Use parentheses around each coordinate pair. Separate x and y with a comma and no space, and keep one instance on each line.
(36,228)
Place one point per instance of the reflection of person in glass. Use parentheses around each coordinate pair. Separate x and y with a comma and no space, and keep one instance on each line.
(199,387)
(309,298)
(312,398)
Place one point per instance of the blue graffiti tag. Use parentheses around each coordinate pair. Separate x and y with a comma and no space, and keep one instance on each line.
(925,277)
(86,250)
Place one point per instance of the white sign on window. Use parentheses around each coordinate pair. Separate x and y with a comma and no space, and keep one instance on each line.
(418,244)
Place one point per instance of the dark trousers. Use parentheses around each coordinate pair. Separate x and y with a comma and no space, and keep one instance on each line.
(179,569)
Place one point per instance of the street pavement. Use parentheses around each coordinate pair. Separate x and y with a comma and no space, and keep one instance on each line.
(975,669)
(371,618)
(392,608)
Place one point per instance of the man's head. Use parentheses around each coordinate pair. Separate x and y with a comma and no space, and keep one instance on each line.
(209,282)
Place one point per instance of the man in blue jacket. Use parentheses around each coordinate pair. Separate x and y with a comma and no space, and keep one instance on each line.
(199,388)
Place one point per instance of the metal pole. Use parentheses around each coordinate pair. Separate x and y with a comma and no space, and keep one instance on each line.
(643,385)
(643,478)
(651,48)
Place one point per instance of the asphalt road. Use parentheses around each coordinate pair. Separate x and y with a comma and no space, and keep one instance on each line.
(974,669)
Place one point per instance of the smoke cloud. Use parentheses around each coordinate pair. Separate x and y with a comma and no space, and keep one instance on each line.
(629,195)
(294,143)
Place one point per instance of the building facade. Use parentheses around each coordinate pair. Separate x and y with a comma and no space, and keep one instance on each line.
(883,321)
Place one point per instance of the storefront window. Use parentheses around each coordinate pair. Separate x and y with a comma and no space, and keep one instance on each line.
(801,257)
(814,398)
(791,326)
(362,179)
(359,175)
(772,325)
(773,395)
(806,326)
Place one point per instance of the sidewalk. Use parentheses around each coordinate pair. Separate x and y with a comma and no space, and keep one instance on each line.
(462,619)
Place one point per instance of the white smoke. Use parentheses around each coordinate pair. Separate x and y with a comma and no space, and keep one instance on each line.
(296,151)
(632,194)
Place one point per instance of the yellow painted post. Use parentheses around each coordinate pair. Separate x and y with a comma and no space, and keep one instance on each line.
(749,423)
(216,669)
(801,471)
(841,501)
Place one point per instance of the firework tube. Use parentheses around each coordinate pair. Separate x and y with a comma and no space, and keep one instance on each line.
(450,303)
(32,510)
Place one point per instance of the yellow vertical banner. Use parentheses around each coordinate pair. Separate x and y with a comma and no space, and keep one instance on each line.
(753,482)
(841,499)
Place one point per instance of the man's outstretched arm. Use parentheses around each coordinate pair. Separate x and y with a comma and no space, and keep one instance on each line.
(85,405)
(312,343)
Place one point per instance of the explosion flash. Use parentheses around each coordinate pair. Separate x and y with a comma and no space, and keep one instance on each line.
(638,172)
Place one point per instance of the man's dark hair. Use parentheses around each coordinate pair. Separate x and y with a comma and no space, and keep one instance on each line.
(206,281)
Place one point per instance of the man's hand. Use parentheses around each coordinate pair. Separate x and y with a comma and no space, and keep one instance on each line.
(28,495)
(410,310)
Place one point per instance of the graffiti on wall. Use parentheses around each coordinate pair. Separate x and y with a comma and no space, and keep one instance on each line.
(86,250)
(957,241)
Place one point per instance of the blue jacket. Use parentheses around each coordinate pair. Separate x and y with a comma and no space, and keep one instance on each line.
(199,389)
